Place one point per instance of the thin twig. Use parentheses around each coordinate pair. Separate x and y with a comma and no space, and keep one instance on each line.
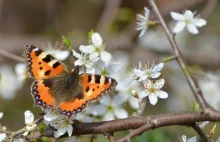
(210,6)
(5,131)
(11,56)
(107,17)
(200,132)
(194,87)
(14,134)
(141,108)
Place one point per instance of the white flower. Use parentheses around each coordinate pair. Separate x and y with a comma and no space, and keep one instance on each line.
(152,91)
(83,60)
(62,124)
(1,115)
(188,20)
(107,69)
(110,108)
(50,115)
(184,139)
(21,72)
(2,136)
(96,50)
(142,24)
(8,83)
(143,73)
(29,121)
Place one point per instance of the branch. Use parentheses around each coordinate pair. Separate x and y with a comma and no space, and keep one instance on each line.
(209,8)
(194,87)
(106,19)
(200,132)
(11,56)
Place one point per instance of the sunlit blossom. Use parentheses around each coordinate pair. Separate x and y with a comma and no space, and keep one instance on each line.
(187,20)
(142,22)
(152,91)
(110,108)
(96,51)
(29,121)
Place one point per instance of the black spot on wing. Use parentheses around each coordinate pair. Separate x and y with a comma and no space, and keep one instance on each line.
(87,88)
(97,79)
(38,52)
(41,68)
(48,58)
(39,63)
(106,80)
(93,89)
(89,78)
(47,72)
(56,65)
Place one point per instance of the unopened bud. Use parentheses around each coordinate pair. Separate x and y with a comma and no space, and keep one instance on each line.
(212,131)
(134,93)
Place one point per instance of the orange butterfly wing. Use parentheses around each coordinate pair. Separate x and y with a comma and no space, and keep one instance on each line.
(94,86)
(42,65)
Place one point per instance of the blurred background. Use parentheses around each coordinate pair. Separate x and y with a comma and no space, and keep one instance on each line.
(44,22)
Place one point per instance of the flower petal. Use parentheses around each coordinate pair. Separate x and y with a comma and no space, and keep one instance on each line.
(177,16)
(2,136)
(50,116)
(155,75)
(203,124)
(62,55)
(192,29)
(1,115)
(60,132)
(69,130)
(105,56)
(147,12)
(153,99)
(86,48)
(29,117)
(96,39)
(161,94)
(158,67)
(143,32)
(199,22)
(179,27)
(133,102)
(159,83)
(94,57)
(24,134)
(109,116)
(78,62)
(120,113)
(184,138)
(77,55)
(143,94)
(147,84)
(106,100)
(188,15)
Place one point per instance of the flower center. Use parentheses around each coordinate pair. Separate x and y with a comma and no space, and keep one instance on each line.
(153,90)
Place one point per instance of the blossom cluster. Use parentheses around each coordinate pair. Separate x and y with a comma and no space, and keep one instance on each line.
(148,75)
(187,19)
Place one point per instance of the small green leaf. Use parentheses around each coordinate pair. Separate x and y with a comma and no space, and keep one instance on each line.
(45,139)
(168,59)
(196,107)
(90,35)
(41,128)
(67,43)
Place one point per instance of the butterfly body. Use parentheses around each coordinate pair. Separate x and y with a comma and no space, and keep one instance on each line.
(57,88)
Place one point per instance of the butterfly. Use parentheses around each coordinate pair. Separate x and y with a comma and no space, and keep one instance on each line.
(57,88)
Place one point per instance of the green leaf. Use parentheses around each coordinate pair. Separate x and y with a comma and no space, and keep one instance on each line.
(90,35)
(45,139)
(67,43)
(41,128)
(196,107)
